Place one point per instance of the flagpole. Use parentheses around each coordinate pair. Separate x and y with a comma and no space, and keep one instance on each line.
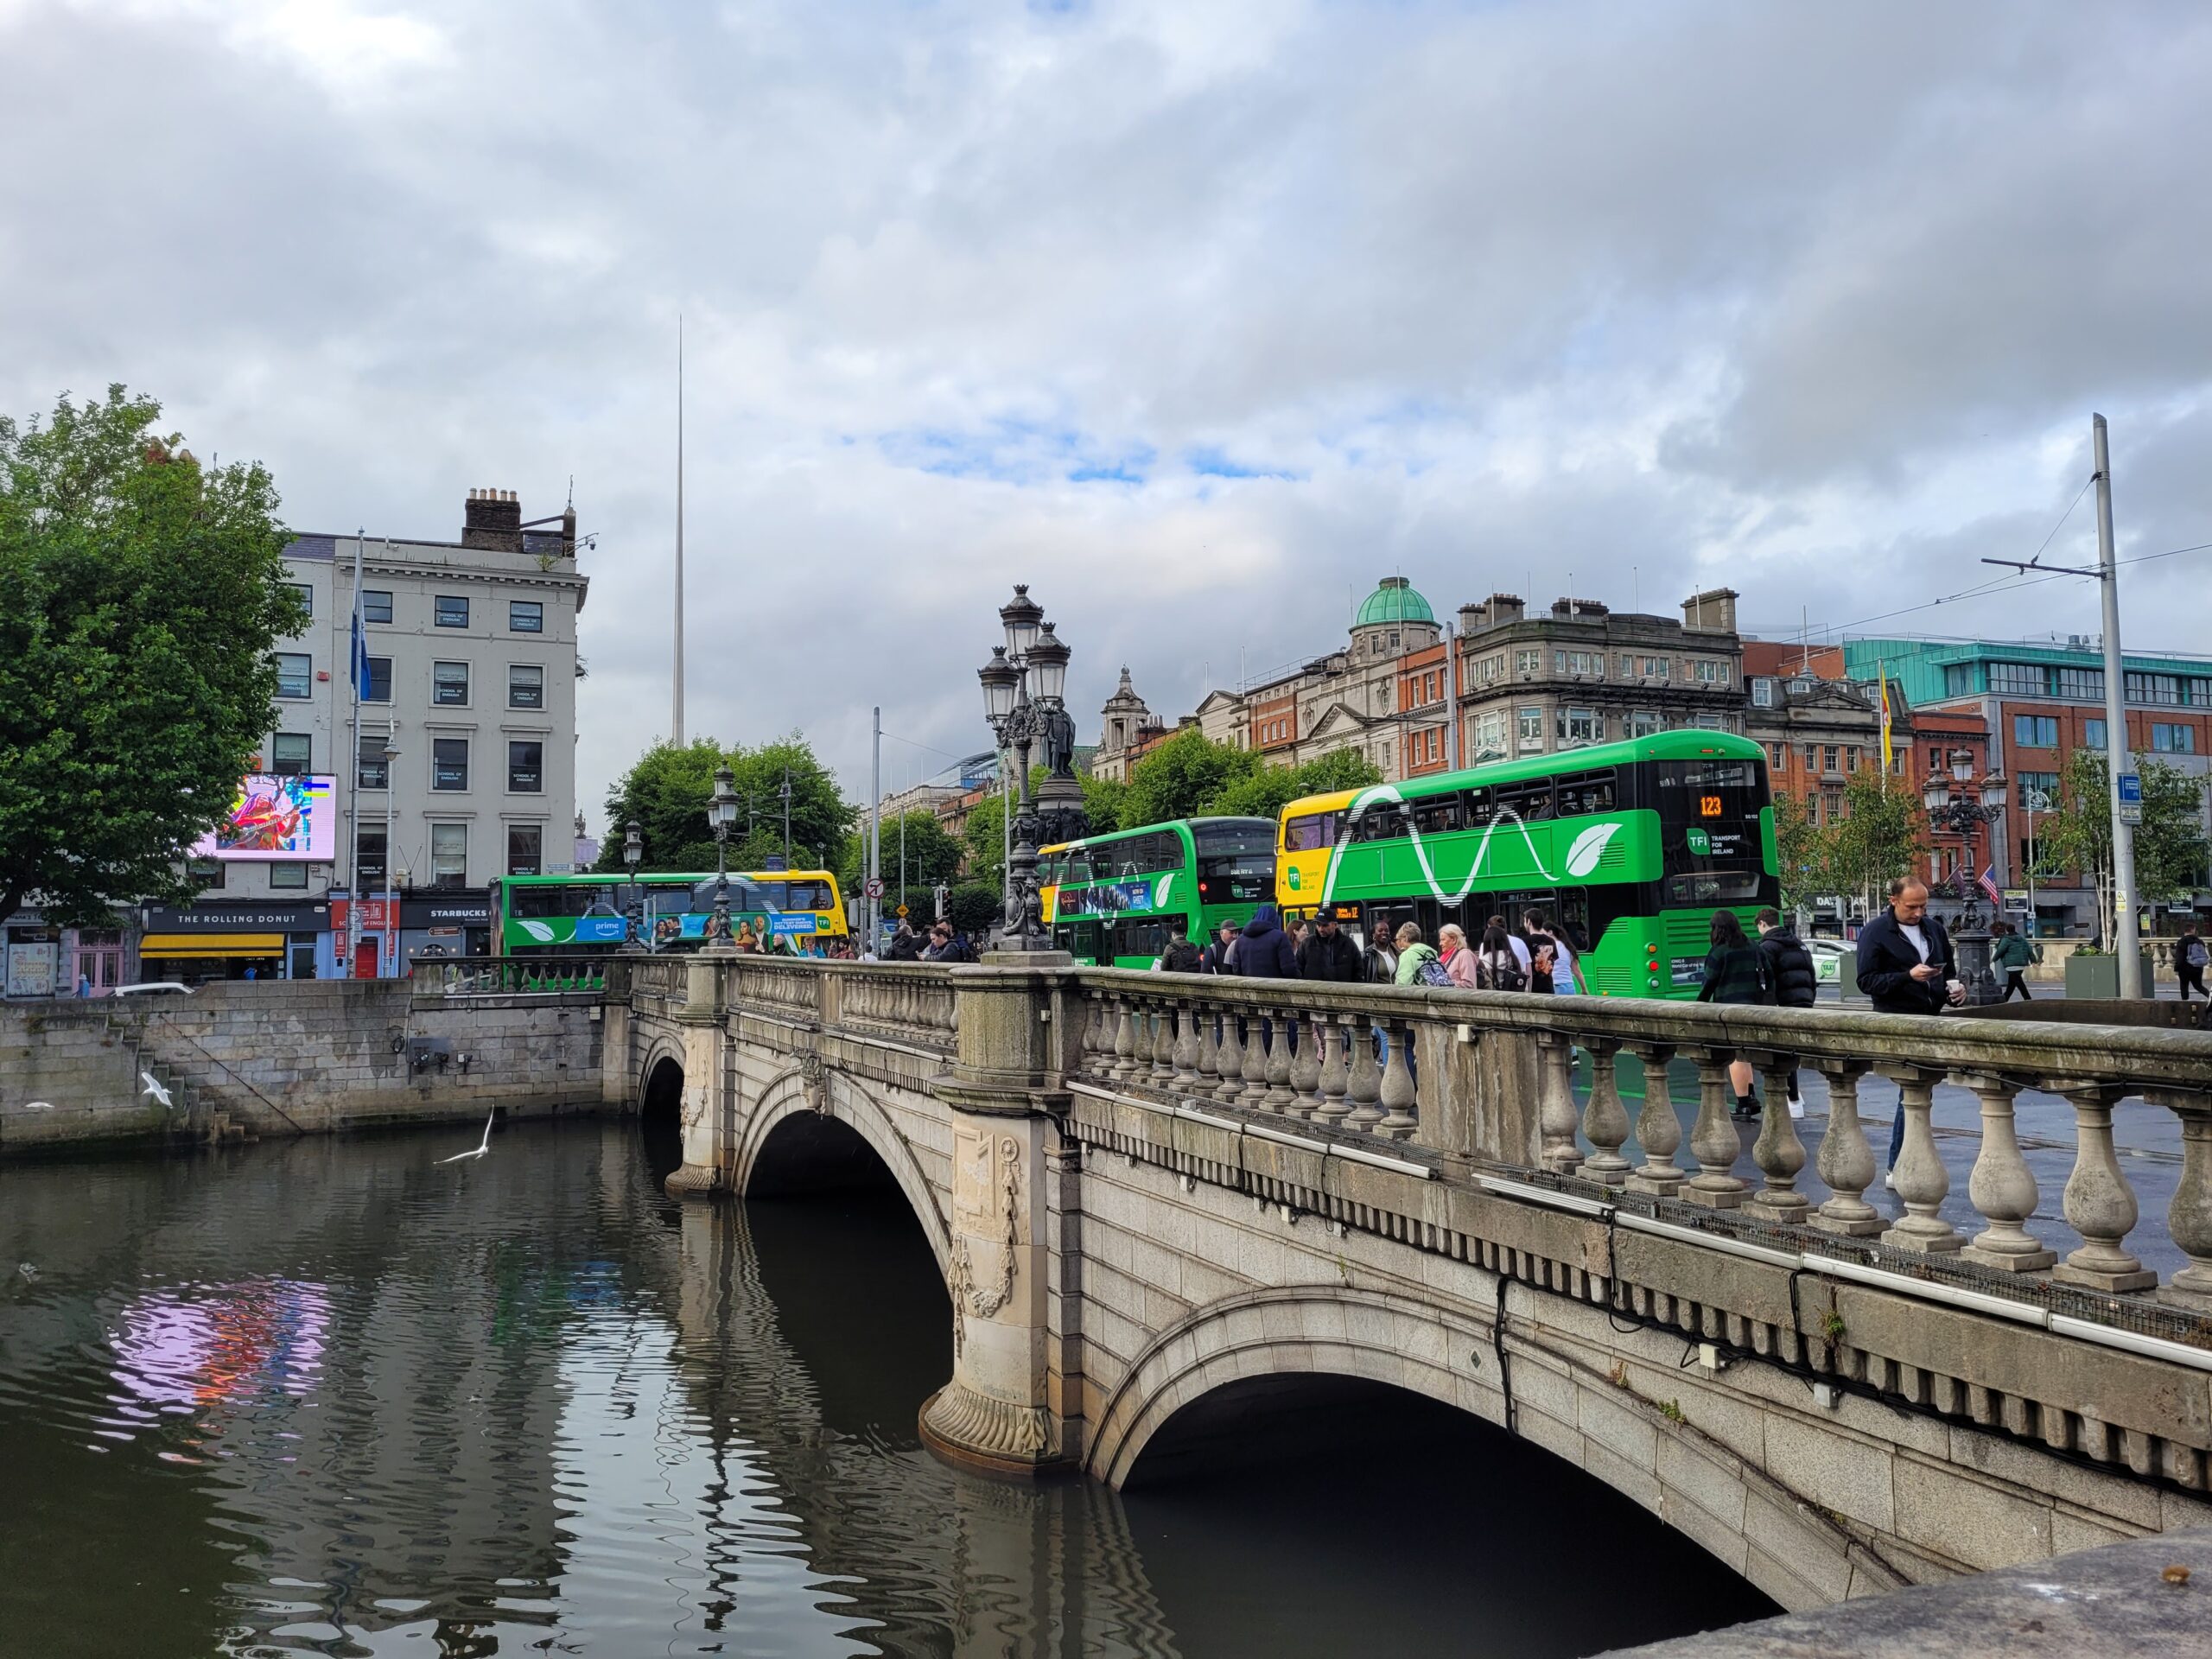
(353,771)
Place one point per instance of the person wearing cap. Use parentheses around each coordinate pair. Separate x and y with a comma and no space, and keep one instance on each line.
(1327,952)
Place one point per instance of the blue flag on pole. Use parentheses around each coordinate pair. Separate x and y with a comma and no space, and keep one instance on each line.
(360,652)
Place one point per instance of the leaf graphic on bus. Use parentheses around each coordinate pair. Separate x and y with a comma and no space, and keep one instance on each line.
(541,932)
(1589,846)
(1159,898)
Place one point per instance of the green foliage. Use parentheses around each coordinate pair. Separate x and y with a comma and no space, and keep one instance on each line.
(1103,803)
(1801,850)
(976,907)
(984,836)
(140,596)
(1883,834)
(1189,776)
(2171,850)
(668,789)
(932,856)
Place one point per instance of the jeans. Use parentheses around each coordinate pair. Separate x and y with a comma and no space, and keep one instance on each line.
(1896,1131)
(2015,980)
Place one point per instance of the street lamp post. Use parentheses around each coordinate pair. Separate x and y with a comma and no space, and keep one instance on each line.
(722,809)
(1023,686)
(390,903)
(1961,818)
(633,853)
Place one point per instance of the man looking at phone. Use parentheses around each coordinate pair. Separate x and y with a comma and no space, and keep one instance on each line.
(1906,966)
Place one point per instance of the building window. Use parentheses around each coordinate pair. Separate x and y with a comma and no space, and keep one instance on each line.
(450,684)
(1830,758)
(2164,689)
(1762,693)
(2172,739)
(1531,728)
(1934,760)
(295,674)
(448,854)
(1658,668)
(525,616)
(1813,811)
(369,868)
(1812,758)
(1712,723)
(2016,680)
(378,687)
(206,873)
(2038,791)
(1644,722)
(1590,665)
(2093,734)
(370,769)
(2035,732)
(1577,727)
(1851,757)
(526,849)
(1527,662)
(1708,672)
(1490,732)
(1777,757)
(526,686)
(376,605)
(449,763)
(288,754)
(287,877)
(306,596)
(2200,694)
(527,768)
(2081,684)
(452,611)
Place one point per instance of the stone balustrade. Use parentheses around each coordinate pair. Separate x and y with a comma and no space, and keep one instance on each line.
(1487,1080)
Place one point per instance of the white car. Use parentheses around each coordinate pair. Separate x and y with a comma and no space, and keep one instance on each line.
(1828,959)
(153,988)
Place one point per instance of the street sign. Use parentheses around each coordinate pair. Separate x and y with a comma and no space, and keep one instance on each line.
(873,887)
(2131,796)
(2016,899)
(900,912)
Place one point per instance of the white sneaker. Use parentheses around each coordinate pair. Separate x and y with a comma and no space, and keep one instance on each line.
(1888,1178)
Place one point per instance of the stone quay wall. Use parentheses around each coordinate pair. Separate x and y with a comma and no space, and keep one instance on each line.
(287,1057)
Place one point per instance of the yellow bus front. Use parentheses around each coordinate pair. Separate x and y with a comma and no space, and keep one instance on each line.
(1048,877)
(804,892)
(1305,839)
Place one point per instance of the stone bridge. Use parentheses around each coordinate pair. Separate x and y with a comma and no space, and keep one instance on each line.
(1152,1195)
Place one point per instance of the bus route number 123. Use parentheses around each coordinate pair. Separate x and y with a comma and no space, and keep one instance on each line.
(1708,806)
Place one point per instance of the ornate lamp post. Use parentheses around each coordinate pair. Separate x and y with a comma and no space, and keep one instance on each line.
(633,853)
(1024,684)
(1961,818)
(722,810)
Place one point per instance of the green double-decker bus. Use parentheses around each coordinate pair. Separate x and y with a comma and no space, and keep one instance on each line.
(1109,899)
(1632,846)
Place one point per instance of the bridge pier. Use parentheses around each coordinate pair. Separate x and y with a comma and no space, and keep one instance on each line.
(709,1110)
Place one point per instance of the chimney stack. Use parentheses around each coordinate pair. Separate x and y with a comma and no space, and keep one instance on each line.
(1710,612)
(494,522)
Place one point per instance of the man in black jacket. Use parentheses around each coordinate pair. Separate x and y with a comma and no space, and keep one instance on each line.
(1327,953)
(1788,969)
(1263,950)
(1906,966)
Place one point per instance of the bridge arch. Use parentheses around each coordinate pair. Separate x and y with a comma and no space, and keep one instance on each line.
(1696,1486)
(660,1088)
(786,1097)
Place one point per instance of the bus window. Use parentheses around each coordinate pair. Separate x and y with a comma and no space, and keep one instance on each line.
(1478,806)
(1437,815)
(1237,862)
(804,895)
(770,893)
(1584,792)
(1531,802)
(533,901)
(1381,821)
(1311,832)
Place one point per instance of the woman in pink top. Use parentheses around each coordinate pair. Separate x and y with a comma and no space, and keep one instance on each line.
(1459,961)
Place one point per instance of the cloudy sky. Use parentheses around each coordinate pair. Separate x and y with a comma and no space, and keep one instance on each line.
(1197,316)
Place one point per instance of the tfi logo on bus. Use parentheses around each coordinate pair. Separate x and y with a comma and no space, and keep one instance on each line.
(1699,842)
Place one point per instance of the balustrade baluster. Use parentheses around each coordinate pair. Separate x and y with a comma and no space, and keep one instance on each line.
(1365,1089)
(2100,1204)
(1555,1104)
(1605,1120)
(1336,1070)
(1845,1161)
(1184,1050)
(1208,1053)
(1097,1036)
(1658,1129)
(1920,1179)
(1230,1089)
(1713,1140)
(1305,1069)
(1398,1093)
(1279,1098)
(2003,1187)
(2189,1217)
(1163,1043)
(1778,1152)
(1125,1039)
(1254,1094)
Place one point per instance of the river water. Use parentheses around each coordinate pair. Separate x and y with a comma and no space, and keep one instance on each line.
(334,1397)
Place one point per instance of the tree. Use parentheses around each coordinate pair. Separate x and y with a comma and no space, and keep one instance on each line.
(932,855)
(668,790)
(976,907)
(1884,833)
(2171,849)
(1801,851)
(1181,776)
(1264,793)
(140,596)
(984,836)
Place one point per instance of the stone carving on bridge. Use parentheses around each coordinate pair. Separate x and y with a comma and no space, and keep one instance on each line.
(814,1079)
(986,1203)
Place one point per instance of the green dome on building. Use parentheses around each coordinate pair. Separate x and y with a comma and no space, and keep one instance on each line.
(1395,600)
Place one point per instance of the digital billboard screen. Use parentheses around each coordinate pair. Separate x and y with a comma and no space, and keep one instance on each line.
(278,818)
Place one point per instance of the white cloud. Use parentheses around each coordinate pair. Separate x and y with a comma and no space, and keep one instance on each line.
(1198,318)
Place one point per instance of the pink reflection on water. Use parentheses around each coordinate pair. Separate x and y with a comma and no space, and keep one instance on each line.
(214,1346)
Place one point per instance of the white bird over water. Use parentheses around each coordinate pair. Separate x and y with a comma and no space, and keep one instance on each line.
(154,1088)
(479,1149)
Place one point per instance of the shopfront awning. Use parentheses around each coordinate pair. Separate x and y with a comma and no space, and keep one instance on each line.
(212,945)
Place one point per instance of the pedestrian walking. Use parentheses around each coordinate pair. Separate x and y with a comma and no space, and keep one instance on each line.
(1790,969)
(1518,945)
(1417,964)
(1381,956)
(2012,955)
(1459,961)
(2191,957)
(1328,954)
(1263,950)
(1497,969)
(1906,966)
(1556,973)
(1220,955)
(1181,956)
(1736,972)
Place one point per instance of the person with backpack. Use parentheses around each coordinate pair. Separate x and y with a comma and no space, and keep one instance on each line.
(1736,972)
(1497,969)
(2191,957)
(1181,956)
(1328,954)
(1263,950)
(1459,961)
(2010,956)
(1543,936)
(1790,969)
(1417,963)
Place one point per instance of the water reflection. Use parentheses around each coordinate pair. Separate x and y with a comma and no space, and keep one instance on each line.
(335,1398)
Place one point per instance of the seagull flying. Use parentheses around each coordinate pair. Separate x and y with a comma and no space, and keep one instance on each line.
(154,1088)
(479,1149)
